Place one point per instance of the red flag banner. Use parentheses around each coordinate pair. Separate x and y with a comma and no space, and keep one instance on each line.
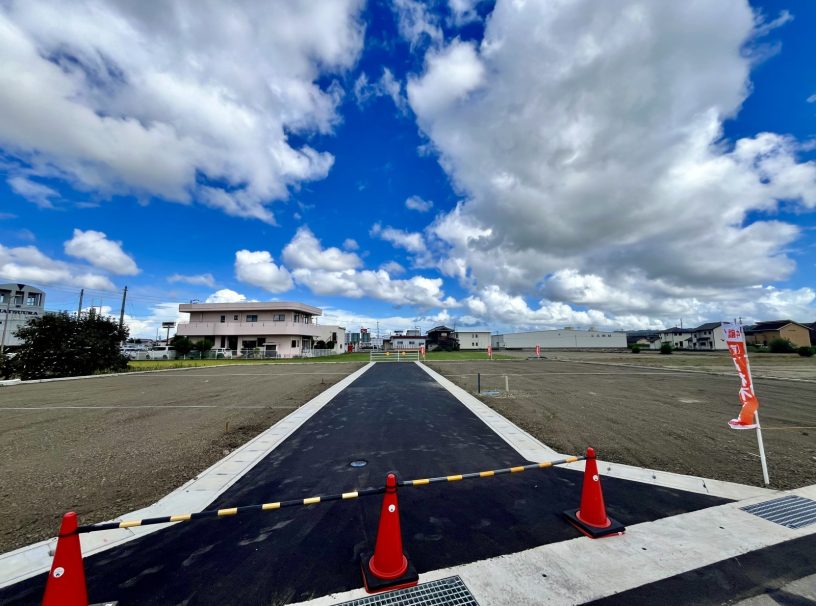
(735,339)
(490,352)
(538,351)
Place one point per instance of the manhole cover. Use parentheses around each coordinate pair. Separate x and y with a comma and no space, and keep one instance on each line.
(450,590)
(359,463)
(791,511)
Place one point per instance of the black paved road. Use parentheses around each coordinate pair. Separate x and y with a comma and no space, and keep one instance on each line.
(398,418)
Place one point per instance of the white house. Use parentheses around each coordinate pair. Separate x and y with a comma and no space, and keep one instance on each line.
(18,304)
(566,338)
(473,339)
(679,338)
(276,328)
(709,337)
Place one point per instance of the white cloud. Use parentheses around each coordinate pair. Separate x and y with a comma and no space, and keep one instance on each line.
(410,241)
(386,86)
(418,204)
(225,295)
(416,291)
(95,248)
(196,280)
(393,268)
(32,191)
(416,23)
(29,265)
(305,251)
(350,244)
(463,11)
(258,268)
(812,98)
(597,174)
(451,74)
(148,99)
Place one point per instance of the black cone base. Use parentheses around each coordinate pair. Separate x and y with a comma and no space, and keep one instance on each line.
(593,532)
(375,584)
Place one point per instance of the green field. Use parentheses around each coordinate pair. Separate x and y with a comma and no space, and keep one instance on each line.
(141,365)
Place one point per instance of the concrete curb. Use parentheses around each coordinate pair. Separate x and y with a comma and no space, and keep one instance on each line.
(26,562)
(647,553)
(535,451)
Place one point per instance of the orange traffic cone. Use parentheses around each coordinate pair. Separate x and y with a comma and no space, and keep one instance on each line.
(389,567)
(591,518)
(66,581)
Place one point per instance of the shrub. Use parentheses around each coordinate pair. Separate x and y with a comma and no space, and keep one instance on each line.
(781,346)
(806,352)
(666,348)
(61,345)
(635,348)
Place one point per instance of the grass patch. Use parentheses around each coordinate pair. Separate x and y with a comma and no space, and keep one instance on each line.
(142,365)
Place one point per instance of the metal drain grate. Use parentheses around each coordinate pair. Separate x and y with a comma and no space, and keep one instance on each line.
(790,511)
(450,590)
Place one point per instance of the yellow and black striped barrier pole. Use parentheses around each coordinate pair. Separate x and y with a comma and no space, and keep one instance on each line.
(344,496)
(490,473)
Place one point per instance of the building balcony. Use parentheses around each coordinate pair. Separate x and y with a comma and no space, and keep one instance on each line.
(246,329)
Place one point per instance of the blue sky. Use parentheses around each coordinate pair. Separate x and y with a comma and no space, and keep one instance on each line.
(497,165)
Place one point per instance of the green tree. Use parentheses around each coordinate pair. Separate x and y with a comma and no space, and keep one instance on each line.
(61,345)
(635,348)
(320,345)
(806,352)
(182,345)
(203,346)
(666,348)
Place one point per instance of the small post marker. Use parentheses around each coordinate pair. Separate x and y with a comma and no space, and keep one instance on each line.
(389,567)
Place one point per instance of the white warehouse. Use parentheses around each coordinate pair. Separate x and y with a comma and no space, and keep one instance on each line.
(566,338)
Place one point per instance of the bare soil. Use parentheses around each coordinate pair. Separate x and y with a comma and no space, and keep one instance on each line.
(105,446)
(655,418)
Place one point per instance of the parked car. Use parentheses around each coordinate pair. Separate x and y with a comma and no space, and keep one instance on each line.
(135,353)
(162,352)
(221,352)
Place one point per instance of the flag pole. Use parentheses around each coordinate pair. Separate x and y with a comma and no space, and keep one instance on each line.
(761,450)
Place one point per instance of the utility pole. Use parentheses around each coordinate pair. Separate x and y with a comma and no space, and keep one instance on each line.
(79,309)
(122,311)
(5,324)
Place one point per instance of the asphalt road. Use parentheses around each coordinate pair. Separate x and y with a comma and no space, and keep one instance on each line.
(397,418)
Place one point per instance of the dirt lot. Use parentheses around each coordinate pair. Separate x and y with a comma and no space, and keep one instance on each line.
(789,366)
(660,419)
(106,446)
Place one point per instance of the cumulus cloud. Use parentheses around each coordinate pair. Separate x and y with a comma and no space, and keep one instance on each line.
(29,265)
(305,251)
(95,248)
(350,244)
(590,157)
(225,295)
(418,204)
(258,268)
(393,268)
(413,242)
(463,11)
(417,291)
(172,101)
(195,280)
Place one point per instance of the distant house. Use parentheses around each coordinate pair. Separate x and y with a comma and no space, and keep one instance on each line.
(709,337)
(762,333)
(441,337)
(473,339)
(680,338)
(408,341)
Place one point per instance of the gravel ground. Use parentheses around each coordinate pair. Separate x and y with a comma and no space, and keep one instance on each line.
(120,443)
(659,419)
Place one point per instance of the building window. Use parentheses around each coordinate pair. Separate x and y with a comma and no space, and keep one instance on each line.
(252,318)
(235,317)
(223,319)
(33,300)
(294,343)
(279,317)
(297,318)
